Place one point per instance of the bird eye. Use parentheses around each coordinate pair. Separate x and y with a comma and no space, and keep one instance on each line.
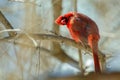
(64,20)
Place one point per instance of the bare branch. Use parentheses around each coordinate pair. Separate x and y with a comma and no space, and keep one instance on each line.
(5,22)
(19,30)
(81,62)
(61,39)
(55,38)
(92,76)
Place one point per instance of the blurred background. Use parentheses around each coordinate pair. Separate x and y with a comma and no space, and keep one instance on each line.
(21,60)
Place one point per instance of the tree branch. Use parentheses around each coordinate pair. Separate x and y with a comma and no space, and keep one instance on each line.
(91,76)
(6,23)
(61,39)
(71,42)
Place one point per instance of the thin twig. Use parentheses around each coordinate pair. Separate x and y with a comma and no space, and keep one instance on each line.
(81,62)
(18,62)
(38,53)
(19,30)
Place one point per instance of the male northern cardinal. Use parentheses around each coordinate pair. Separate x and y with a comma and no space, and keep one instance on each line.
(84,30)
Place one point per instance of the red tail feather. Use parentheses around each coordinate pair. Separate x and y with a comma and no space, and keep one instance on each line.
(93,43)
(96,62)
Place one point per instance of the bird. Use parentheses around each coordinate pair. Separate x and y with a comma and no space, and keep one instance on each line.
(83,30)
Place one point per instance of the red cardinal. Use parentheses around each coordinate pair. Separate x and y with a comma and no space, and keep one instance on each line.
(84,30)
